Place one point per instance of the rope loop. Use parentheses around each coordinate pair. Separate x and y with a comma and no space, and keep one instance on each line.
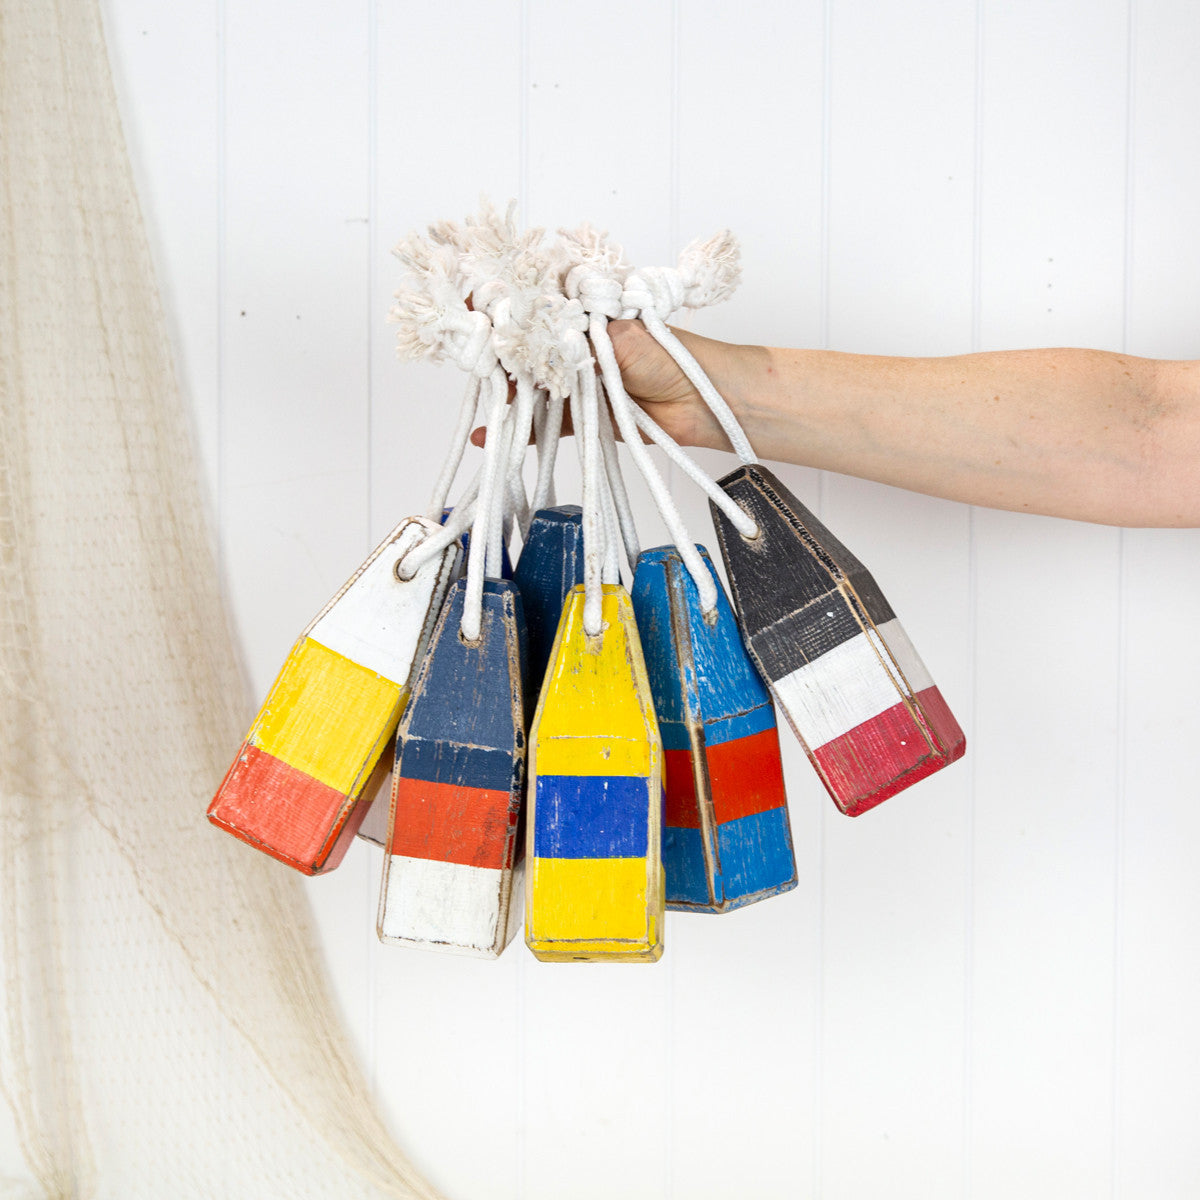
(658,289)
(596,291)
(471,344)
(505,307)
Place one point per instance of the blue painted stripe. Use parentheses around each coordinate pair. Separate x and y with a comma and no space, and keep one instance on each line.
(591,816)
(438,761)
(683,866)
(651,597)
(721,682)
(674,735)
(756,860)
(724,729)
(756,854)
(729,729)
(464,692)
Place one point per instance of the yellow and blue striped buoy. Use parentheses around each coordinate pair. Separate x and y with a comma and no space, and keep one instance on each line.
(594,886)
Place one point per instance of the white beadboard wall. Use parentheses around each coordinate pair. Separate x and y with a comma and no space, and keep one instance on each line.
(985,989)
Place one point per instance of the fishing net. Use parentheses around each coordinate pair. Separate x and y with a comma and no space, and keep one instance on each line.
(167,1029)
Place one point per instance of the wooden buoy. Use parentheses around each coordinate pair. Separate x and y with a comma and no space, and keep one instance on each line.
(374,827)
(839,663)
(594,888)
(727,841)
(551,564)
(294,789)
(451,875)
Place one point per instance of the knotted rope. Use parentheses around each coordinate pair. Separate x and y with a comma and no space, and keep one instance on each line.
(506,306)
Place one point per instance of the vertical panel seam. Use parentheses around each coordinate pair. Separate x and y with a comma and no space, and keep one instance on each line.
(220,285)
(672,483)
(1121,762)
(822,853)
(519,1148)
(968,1034)
(372,1013)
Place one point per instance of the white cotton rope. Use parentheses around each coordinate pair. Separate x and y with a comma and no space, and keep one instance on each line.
(622,408)
(548,436)
(491,494)
(699,379)
(584,403)
(461,517)
(458,443)
(526,402)
(623,512)
(611,571)
(501,304)
(499,520)
(741,520)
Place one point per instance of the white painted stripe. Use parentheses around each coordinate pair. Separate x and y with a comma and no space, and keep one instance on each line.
(905,657)
(850,684)
(379,621)
(445,906)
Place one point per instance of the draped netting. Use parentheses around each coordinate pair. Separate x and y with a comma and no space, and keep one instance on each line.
(167,1031)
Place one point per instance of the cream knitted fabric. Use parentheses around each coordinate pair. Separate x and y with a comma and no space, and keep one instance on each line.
(168,1032)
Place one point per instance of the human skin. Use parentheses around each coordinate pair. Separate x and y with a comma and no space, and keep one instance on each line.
(1085,434)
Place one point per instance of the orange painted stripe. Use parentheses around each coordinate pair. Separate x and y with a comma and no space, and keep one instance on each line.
(746,776)
(284,812)
(475,827)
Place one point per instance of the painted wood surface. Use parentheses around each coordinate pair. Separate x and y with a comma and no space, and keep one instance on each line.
(551,564)
(727,839)
(840,664)
(294,789)
(595,881)
(453,868)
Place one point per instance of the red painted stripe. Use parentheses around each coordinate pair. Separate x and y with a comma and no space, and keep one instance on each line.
(888,753)
(746,776)
(285,812)
(679,784)
(945,729)
(446,822)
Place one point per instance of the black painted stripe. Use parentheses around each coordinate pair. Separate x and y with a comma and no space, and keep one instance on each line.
(799,592)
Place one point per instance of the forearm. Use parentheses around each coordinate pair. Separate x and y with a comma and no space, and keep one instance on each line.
(1074,433)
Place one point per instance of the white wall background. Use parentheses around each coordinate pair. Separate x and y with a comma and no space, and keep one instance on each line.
(987,988)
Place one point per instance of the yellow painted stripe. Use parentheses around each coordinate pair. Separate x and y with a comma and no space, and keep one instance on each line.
(595,715)
(601,900)
(328,716)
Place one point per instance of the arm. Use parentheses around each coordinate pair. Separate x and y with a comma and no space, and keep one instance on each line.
(1084,434)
